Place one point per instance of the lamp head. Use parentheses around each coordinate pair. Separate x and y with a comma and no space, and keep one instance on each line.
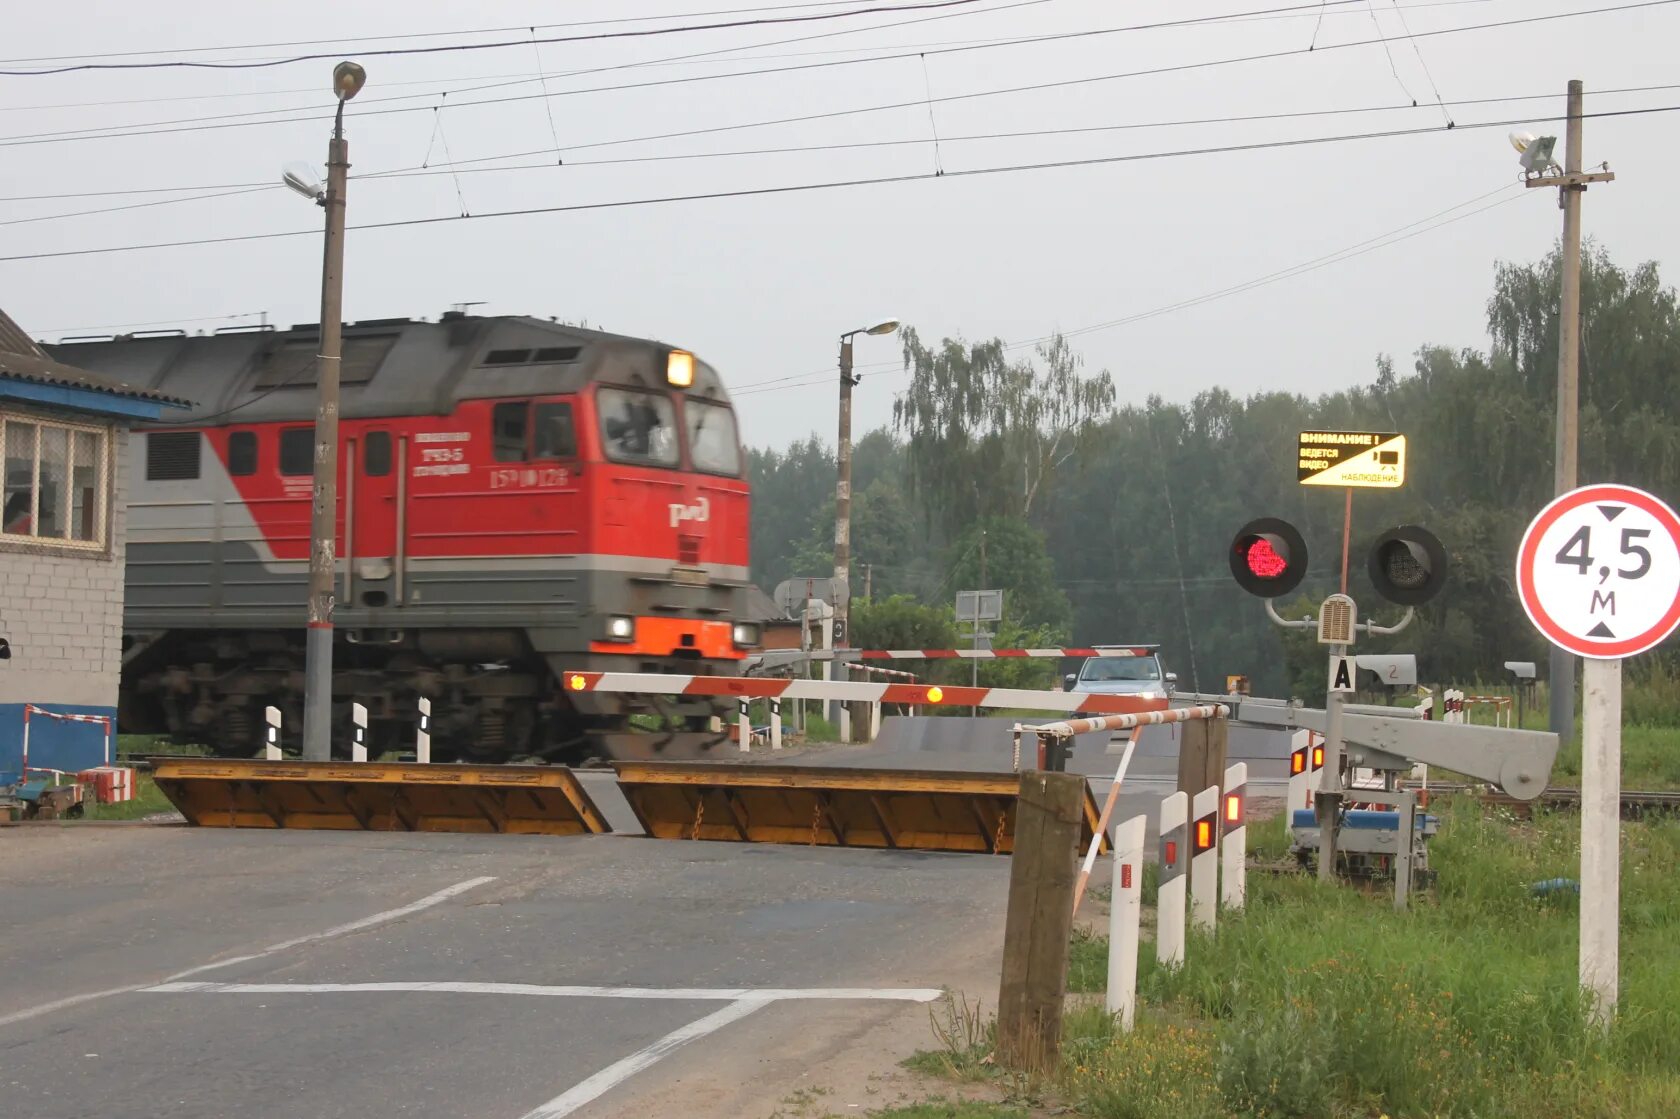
(348,79)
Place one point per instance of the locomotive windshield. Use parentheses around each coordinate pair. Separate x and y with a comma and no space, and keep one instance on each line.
(637,427)
(711,437)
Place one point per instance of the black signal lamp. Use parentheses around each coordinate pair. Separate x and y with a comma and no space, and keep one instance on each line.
(1268,557)
(1408,565)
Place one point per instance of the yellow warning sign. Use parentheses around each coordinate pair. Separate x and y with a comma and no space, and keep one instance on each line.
(1360,459)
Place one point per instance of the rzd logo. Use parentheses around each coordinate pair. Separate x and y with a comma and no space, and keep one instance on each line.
(699,511)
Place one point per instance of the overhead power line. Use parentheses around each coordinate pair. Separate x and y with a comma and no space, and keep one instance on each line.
(800,188)
(918,103)
(311,112)
(1437,220)
(453,48)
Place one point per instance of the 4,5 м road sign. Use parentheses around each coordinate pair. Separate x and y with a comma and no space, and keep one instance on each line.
(1599,571)
(1599,574)
(1355,459)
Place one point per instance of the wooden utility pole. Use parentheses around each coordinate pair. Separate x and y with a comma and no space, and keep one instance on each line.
(1202,746)
(1042,870)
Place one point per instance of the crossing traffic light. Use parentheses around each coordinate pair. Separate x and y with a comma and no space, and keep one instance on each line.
(1407,565)
(1268,557)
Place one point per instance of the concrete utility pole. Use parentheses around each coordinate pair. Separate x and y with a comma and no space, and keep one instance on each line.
(843,488)
(1571,184)
(348,79)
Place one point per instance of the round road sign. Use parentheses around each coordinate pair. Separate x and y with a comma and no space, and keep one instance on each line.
(1599,571)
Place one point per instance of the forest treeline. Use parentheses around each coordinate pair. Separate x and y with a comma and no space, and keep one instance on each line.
(1111,524)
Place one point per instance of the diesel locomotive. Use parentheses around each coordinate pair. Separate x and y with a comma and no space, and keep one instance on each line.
(517,497)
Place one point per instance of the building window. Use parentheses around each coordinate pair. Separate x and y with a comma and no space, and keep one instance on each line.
(55,482)
(242,454)
(297,451)
(376,454)
(172,456)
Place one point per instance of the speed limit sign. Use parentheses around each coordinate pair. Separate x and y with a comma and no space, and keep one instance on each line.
(1599,571)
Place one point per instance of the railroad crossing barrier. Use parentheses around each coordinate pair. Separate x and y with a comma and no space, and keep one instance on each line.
(746,688)
(378,796)
(828,807)
(1124,915)
(29,709)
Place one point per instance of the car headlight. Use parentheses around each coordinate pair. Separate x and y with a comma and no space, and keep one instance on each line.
(1147,695)
(621,627)
(746,633)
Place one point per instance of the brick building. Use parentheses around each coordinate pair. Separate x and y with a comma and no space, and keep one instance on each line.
(63,451)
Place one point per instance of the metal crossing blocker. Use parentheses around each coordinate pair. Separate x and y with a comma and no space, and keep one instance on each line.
(919,810)
(378,796)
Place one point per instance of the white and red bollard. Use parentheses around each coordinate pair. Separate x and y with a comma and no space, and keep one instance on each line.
(1204,858)
(1175,861)
(1233,821)
(1124,914)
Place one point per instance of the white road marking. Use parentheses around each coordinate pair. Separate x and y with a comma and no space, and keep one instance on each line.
(426,902)
(680,994)
(337,930)
(620,1071)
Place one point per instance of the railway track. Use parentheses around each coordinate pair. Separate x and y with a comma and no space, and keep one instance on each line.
(1635,802)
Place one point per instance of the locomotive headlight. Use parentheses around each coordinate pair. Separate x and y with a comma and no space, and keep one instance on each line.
(746,634)
(679,368)
(621,628)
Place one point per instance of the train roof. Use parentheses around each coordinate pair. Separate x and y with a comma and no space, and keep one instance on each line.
(388,367)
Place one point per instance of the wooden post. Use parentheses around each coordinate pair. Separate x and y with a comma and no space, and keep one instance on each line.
(1048,818)
(1201,754)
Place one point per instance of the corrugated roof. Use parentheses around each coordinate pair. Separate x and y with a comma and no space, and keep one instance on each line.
(23,360)
(14,341)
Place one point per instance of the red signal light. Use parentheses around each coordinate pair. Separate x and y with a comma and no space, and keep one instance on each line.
(1264,561)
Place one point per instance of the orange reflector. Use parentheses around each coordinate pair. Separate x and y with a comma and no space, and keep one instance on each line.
(577,682)
(1233,808)
(1298,762)
(1204,835)
(1318,757)
(935,694)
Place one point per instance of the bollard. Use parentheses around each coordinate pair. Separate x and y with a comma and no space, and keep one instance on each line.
(775,723)
(1315,768)
(1175,859)
(423,736)
(874,721)
(743,725)
(1124,912)
(1233,820)
(1204,858)
(358,740)
(271,747)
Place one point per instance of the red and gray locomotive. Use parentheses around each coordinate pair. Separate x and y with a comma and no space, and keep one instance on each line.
(517,497)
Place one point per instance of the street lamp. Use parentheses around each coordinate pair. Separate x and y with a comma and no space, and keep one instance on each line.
(843,489)
(348,79)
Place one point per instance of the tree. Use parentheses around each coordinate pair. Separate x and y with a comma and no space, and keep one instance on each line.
(1006,554)
(986,435)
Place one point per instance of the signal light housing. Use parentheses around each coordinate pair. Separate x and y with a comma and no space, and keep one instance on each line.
(1408,565)
(1268,557)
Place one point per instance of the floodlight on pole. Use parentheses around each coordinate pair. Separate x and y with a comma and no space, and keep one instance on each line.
(300,178)
(1535,152)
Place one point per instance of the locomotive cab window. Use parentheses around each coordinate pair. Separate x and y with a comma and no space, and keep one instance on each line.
(297,451)
(242,453)
(507,430)
(637,427)
(553,435)
(712,444)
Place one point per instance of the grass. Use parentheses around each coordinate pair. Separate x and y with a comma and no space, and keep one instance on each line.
(951,1109)
(1323,1003)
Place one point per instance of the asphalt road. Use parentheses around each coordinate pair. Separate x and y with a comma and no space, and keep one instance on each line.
(733,949)
(200,973)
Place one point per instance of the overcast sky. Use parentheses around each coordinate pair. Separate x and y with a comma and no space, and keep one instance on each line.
(762,286)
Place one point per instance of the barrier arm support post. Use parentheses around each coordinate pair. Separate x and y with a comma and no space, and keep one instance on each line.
(1124,915)
(271,745)
(1175,860)
(1048,821)
(1233,820)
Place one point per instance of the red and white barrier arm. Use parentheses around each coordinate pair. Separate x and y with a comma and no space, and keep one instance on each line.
(876,670)
(1127,721)
(916,695)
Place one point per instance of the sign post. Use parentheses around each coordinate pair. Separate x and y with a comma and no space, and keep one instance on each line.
(1598,573)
